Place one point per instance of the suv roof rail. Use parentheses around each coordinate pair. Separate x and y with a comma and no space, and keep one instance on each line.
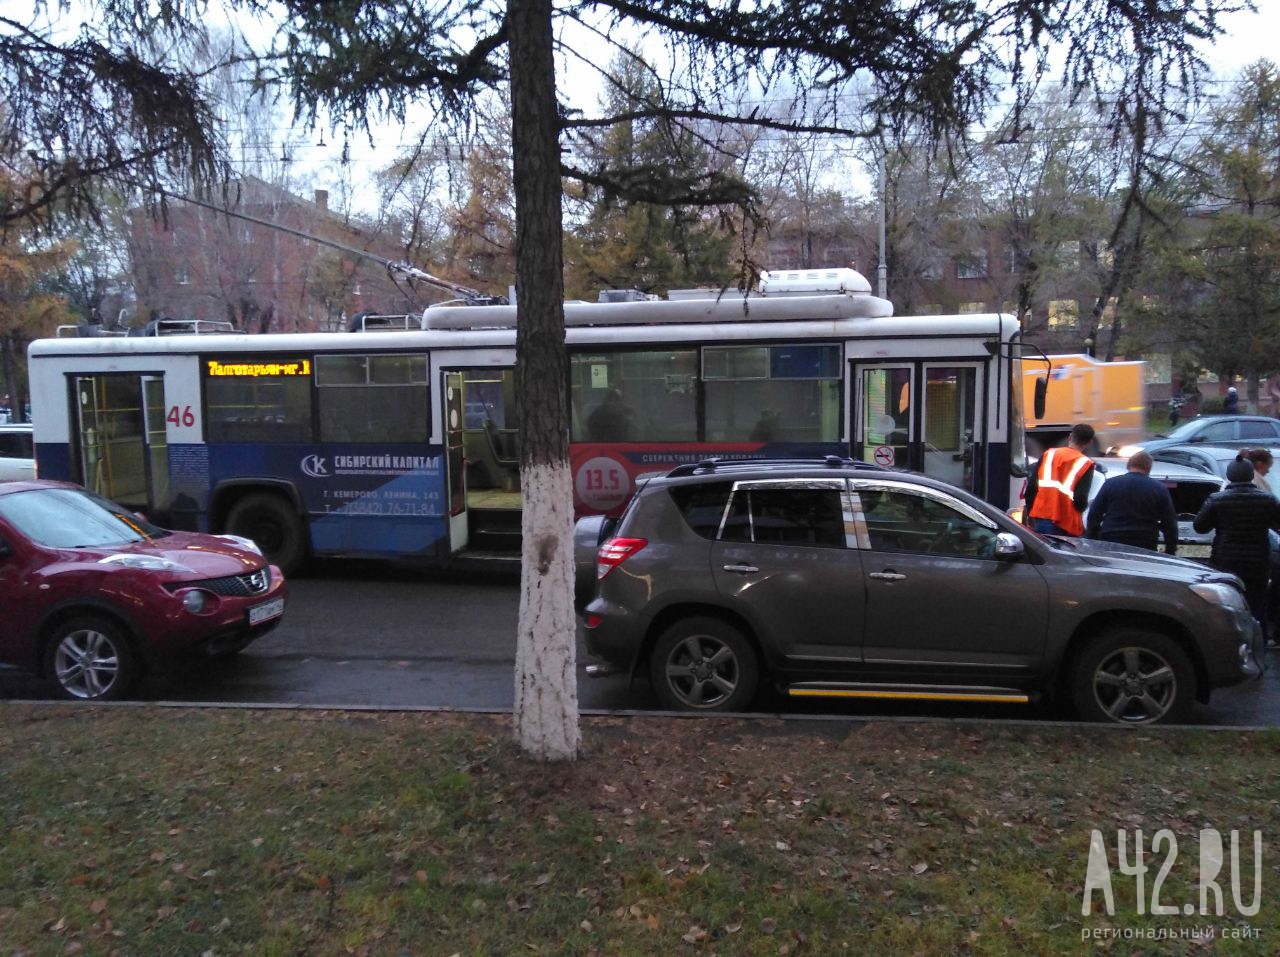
(829,461)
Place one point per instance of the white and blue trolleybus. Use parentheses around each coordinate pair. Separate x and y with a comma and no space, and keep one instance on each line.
(402,442)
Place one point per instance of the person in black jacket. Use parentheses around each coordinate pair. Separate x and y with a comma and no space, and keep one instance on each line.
(1134,509)
(1239,516)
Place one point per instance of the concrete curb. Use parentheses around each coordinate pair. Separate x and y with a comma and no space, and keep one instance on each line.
(756,716)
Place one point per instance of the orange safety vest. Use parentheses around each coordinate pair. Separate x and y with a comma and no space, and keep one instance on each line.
(1057,477)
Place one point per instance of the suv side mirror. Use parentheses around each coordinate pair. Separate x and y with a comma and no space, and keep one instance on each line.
(1009,547)
(1042,391)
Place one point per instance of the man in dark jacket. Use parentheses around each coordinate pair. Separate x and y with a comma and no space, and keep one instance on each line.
(1239,516)
(1134,509)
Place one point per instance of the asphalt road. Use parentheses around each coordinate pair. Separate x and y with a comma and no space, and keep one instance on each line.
(386,636)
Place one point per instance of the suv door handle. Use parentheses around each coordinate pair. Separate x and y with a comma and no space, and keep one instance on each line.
(741,569)
(888,576)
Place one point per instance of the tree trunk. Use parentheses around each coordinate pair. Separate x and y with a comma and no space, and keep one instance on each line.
(546,693)
(1251,391)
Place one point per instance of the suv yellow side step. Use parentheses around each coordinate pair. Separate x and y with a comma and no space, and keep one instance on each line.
(1000,697)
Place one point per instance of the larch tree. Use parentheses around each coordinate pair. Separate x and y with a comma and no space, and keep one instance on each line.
(940,61)
(1236,321)
(622,240)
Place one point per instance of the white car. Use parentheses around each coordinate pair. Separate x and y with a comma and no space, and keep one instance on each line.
(17,453)
(1189,487)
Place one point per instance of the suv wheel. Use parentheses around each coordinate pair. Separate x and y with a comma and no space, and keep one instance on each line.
(704,664)
(1132,676)
(90,659)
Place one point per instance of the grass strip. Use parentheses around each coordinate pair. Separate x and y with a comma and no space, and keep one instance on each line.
(153,832)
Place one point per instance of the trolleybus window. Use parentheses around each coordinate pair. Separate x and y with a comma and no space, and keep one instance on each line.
(263,400)
(373,398)
(635,396)
(786,393)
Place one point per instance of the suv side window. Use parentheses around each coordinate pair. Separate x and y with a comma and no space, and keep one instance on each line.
(702,505)
(786,516)
(900,521)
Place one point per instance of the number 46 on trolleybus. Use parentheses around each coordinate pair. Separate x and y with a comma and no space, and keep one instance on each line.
(404,443)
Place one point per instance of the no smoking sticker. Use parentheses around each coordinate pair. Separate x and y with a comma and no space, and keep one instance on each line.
(884,455)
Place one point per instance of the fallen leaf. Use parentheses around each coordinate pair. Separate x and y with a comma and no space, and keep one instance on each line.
(98,906)
(920,868)
(695,935)
(542,879)
(768,925)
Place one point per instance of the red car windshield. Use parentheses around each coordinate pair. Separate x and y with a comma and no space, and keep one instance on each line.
(71,518)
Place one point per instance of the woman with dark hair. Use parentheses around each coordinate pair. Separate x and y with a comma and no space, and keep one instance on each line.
(1261,460)
(1240,517)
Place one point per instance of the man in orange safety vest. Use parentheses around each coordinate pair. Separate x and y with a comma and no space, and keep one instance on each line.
(1058,489)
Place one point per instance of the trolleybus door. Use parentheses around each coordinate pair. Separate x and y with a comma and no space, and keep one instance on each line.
(455,460)
(883,421)
(923,416)
(953,435)
(121,448)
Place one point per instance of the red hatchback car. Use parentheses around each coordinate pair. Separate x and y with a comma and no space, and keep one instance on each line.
(91,595)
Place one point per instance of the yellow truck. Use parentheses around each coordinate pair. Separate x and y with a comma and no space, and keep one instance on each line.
(1110,396)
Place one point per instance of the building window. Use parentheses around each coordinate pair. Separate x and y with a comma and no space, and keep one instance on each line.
(181,276)
(932,270)
(968,308)
(355,288)
(1063,314)
(972,265)
(1108,318)
(1068,255)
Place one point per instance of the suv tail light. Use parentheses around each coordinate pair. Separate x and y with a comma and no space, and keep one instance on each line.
(614,552)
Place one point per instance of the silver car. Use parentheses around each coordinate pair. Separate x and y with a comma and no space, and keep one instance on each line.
(844,581)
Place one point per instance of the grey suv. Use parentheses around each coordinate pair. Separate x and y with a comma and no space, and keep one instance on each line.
(841,580)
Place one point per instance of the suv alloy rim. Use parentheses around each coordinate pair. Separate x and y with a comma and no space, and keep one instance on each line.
(702,671)
(1135,685)
(86,663)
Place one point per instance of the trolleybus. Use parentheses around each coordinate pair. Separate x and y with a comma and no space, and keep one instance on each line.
(403,443)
